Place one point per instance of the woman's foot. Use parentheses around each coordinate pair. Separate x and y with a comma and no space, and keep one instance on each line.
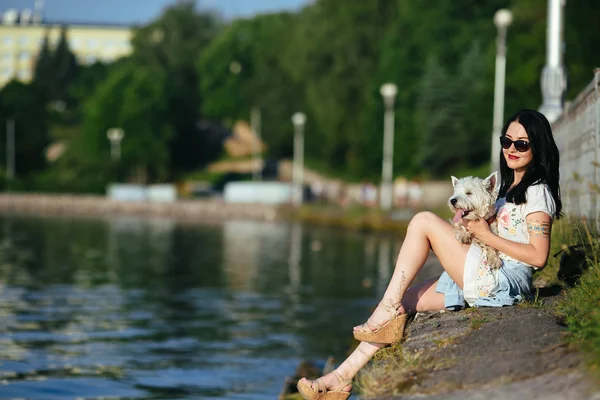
(386,311)
(333,381)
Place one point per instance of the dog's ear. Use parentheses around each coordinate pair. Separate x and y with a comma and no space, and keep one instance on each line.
(491,181)
(454,181)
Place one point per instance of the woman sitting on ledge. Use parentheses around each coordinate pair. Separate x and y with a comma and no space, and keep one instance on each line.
(528,201)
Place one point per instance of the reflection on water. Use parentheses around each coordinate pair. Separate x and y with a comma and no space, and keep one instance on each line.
(152,308)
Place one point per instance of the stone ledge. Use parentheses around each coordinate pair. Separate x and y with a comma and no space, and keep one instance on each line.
(197,210)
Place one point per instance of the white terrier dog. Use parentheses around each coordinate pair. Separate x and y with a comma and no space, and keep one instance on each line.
(474,198)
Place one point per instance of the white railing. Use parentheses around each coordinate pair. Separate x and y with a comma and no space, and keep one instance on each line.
(577,134)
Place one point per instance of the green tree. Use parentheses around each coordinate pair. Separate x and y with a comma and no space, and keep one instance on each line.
(243,68)
(172,44)
(133,99)
(336,44)
(24,104)
(43,74)
(88,79)
(65,68)
(450,137)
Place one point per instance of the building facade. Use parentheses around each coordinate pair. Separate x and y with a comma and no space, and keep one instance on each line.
(22,39)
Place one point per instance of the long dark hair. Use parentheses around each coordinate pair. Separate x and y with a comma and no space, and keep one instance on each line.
(544,164)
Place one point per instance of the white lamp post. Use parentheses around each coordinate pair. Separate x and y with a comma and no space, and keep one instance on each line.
(502,20)
(10,149)
(298,119)
(388,92)
(554,80)
(115,136)
(255,122)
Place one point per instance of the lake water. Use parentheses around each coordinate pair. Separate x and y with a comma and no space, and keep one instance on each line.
(136,308)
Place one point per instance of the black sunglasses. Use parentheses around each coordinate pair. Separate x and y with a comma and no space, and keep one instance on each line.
(520,145)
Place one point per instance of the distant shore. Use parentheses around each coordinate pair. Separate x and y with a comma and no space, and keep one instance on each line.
(192,210)
(206,210)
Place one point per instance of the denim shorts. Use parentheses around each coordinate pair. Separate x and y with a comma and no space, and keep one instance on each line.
(514,285)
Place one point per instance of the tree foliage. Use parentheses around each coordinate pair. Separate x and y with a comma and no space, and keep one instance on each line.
(191,74)
(238,72)
(65,68)
(56,70)
(132,99)
(24,105)
(172,45)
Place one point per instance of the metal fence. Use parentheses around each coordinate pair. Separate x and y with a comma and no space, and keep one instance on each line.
(577,134)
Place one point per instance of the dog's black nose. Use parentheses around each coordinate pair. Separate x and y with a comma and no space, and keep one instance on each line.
(453,202)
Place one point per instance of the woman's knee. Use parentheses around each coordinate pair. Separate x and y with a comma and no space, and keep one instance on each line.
(422,220)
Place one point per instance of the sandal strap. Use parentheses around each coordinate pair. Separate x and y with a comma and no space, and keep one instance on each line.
(370,323)
(342,381)
(321,387)
(373,326)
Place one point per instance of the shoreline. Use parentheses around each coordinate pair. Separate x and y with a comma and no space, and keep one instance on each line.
(85,205)
(203,210)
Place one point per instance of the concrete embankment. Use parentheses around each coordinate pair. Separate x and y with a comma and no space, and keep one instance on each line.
(192,210)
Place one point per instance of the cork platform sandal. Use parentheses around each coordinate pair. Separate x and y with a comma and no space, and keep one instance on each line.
(390,332)
(308,393)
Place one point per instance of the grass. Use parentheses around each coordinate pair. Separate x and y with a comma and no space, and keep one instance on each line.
(565,232)
(580,309)
(393,371)
(477,322)
(354,217)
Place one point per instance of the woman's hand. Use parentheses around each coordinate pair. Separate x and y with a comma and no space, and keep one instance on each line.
(479,228)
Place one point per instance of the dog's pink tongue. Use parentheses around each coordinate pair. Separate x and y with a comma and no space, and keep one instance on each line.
(458,215)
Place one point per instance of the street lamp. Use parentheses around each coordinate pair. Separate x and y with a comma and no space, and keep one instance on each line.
(298,119)
(256,144)
(502,19)
(554,80)
(10,149)
(115,135)
(388,92)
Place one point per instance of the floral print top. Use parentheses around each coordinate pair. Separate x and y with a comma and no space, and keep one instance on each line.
(511,218)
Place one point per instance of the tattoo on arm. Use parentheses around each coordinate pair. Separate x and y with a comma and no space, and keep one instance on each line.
(538,228)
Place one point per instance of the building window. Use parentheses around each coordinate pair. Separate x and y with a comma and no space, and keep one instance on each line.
(92,43)
(7,72)
(6,56)
(23,74)
(90,59)
(24,57)
(24,40)
(7,40)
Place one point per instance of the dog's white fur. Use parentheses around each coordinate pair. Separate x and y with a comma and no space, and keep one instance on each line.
(474,198)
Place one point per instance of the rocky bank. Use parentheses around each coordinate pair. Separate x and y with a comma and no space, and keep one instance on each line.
(516,352)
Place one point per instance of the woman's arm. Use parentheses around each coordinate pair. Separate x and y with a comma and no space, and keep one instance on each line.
(535,253)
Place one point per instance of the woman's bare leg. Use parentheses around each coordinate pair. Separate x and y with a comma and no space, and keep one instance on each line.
(421,297)
(363,353)
(426,231)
